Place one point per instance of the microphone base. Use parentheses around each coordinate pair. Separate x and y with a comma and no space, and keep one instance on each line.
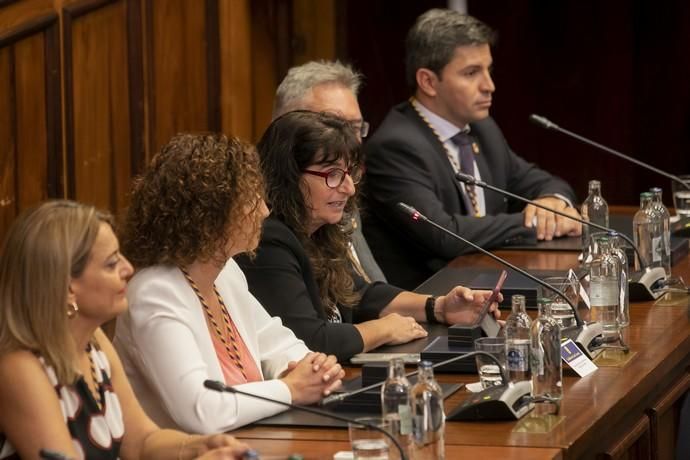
(369,402)
(586,338)
(642,284)
(502,402)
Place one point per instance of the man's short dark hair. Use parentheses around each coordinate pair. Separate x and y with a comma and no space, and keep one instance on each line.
(432,40)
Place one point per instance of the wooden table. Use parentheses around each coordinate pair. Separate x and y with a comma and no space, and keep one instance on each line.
(616,412)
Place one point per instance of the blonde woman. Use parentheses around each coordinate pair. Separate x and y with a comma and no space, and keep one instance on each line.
(62,386)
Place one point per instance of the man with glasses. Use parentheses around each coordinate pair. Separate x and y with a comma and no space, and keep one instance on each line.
(326,86)
(444,129)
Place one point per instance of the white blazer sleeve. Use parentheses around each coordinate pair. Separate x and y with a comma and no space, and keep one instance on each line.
(172,349)
(275,344)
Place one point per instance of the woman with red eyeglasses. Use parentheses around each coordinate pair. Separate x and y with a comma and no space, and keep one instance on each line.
(304,271)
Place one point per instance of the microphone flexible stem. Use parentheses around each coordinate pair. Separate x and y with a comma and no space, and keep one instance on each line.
(482,184)
(621,155)
(341,396)
(578,320)
(221,387)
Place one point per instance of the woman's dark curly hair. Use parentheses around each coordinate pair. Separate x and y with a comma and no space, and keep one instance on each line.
(292,143)
(199,191)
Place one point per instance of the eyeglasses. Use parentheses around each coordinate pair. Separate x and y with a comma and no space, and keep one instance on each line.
(335,177)
(361,127)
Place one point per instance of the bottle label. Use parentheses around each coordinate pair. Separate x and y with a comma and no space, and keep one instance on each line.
(537,361)
(657,249)
(405,414)
(603,293)
(517,355)
(667,245)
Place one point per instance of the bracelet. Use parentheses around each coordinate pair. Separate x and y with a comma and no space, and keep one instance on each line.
(429,310)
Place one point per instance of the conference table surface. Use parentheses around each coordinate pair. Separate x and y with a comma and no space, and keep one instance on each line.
(592,406)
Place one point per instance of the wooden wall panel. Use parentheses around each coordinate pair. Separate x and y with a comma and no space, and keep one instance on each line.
(30,122)
(271,56)
(20,15)
(235,68)
(117,78)
(313,25)
(177,41)
(7,140)
(29,125)
(99,146)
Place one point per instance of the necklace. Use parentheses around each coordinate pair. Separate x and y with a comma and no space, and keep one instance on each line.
(96,390)
(469,189)
(231,346)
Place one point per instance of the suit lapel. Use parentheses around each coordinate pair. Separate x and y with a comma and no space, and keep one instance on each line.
(439,149)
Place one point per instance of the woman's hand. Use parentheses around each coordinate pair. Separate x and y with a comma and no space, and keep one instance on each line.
(402,329)
(314,376)
(213,447)
(462,306)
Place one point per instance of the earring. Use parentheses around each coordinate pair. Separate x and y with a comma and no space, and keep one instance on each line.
(72,310)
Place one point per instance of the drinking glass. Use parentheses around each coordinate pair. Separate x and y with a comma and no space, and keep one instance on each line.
(489,372)
(560,309)
(368,443)
(681,196)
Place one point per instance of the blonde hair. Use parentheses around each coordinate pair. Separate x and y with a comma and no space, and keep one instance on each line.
(44,248)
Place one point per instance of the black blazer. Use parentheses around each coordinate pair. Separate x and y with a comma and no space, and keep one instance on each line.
(406,162)
(281,277)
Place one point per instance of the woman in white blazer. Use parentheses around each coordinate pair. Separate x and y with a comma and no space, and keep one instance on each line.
(191,316)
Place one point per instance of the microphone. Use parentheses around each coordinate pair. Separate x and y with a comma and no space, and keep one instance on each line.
(47,454)
(548,124)
(508,401)
(679,228)
(586,336)
(467,179)
(642,285)
(215,385)
(340,396)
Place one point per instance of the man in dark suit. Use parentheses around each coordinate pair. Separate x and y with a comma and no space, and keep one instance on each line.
(443,129)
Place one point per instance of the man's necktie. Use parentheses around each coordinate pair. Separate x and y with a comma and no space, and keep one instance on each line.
(464,142)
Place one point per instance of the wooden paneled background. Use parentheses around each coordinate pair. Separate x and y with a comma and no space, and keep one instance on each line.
(90,89)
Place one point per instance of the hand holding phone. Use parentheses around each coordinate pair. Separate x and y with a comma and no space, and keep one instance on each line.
(487,322)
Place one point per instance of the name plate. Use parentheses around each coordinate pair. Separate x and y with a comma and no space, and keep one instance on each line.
(578,361)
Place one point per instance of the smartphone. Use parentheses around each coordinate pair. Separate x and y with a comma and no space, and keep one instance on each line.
(487,322)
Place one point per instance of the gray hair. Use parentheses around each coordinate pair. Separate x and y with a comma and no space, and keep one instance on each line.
(301,79)
(432,40)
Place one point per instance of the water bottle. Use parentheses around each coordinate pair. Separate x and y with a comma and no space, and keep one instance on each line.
(594,209)
(517,330)
(396,403)
(643,232)
(662,212)
(545,355)
(428,419)
(618,249)
(604,287)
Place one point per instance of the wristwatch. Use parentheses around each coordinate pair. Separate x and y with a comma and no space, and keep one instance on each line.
(429,310)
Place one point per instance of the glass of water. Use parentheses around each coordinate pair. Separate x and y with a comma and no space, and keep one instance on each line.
(367,442)
(489,372)
(560,309)
(681,196)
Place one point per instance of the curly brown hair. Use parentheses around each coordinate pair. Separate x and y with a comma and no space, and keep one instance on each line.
(199,191)
(290,144)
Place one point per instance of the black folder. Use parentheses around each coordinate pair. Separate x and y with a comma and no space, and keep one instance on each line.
(618,222)
(366,404)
